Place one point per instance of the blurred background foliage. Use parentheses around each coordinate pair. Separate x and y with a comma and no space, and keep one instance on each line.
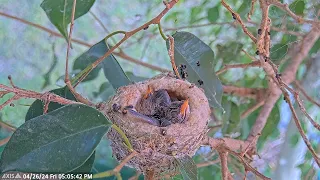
(36,61)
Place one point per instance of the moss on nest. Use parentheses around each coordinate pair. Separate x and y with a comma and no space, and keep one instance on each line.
(158,146)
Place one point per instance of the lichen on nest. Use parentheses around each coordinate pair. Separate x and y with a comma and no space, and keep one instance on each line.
(158,146)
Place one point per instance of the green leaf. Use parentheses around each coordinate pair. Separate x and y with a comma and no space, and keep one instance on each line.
(195,12)
(110,65)
(229,52)
(234,118)
(173,16)
(87,166)
(294,139)
(271,125)
(305,168)
(189,50)
(213,14)
(135,78)
(244,8)
(59,141)
(298,7)
(188,168)
(36,108)
(278,51)
(59,12)
(48,74)
(105,91)
(315,48)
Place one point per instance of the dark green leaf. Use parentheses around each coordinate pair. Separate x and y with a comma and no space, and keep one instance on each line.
(305,168)
(135,78)
(110,65)
(105,91)
(298,7)
(234,119)
(275,13)
(195,12)
(316,47)
(47,75)
(278,51)
(59,141)
(189,50)
(244,8)
(213,14)
(188,168)
(172,16)
(59,12)
(271,125)
(114,73)
(36,109)
(294,139)
(229,52)
(226,104)
(87,166)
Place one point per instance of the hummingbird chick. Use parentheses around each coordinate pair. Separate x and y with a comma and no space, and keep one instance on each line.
(152,101)
(158,109)
(177,112)
(159,105)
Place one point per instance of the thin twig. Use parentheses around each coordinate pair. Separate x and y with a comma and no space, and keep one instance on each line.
(300,88)
(209,163)
(128,34)
(69,40)
(171,55)
(252,109)
(4,141)
(251,9)
(238,18)
(22,93)
(303,135)
(11,82)
(7,126)
(99,22)
(232,146)
(136,176)
(67,79)
(224,164)
(196,26)
(9,101)
(243,91)
(117,169)
(283,30)
(120,54)
(247,165)
(299,19)
(304,111)
(230,66)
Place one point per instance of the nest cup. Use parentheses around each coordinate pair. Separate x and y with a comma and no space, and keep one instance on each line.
(158,146)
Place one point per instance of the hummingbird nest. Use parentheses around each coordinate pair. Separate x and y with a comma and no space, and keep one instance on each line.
(158,146)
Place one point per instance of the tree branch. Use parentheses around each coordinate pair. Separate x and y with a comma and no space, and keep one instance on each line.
(256,93)
(119,54)
(117,169)
(230,66)
(232,146)
(297,18)
(237,17)
(223,155)
(171,55)
(300,88)
(22,93)
(128,34)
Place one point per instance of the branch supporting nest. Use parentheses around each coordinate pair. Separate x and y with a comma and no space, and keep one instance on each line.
(22,93)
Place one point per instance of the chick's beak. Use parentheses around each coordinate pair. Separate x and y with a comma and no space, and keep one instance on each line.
(184,108)
(149,92)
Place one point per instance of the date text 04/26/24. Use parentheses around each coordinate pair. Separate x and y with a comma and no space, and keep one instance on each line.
(44,176)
